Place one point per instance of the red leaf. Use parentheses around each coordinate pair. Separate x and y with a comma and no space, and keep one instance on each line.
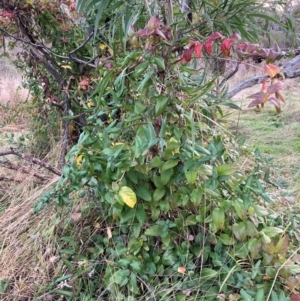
(197,47)
(259,95)
(255,102)
(275,87)
(272,70)
(208,46)
(225,46)
(295,297)
(264,84)
(214,36)
(160,33)
(144,32)
(273,55)
(242,46)
(265,51)
(235,36)
(153,23)
(187,56)
(6,14)
(252,47)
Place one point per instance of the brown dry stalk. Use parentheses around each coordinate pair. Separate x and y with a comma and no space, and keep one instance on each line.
(30,159)
(23,169)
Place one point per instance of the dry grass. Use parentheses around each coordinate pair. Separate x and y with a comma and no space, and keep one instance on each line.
(11,93)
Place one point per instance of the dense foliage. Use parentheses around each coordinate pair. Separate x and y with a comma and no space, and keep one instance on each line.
(167,214)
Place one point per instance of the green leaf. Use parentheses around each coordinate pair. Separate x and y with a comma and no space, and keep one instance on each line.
(64,293)
(160,105)
(239,231)
(156,162)
(132,284)
(240,209)
(271,231)
(165,176)
(191,176)
(207,273)
(154,230)
(144,193)
(140,69)
(3,285)
(218,218)
(120,277)
(146,81)
(246,296)
(139,108)
(169,164)
(160,62)
(226,239)
(166,239)
(141,215)
(260,296)
(158,194)
(226,169)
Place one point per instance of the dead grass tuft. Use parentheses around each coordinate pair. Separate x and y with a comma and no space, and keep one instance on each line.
(28,252)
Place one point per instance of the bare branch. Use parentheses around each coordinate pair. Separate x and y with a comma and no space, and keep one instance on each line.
(23,169)
(30,159)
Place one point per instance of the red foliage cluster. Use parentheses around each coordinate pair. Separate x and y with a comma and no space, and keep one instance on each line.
(196,46)
(271,85)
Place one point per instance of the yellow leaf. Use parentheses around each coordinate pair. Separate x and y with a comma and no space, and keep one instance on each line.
(79,159)
(102,46)
(128,196)
(97,225)
(90,104)
(117,143)
(66,67)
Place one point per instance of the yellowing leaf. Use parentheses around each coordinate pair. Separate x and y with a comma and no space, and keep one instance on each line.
(128,196)
(79,159)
